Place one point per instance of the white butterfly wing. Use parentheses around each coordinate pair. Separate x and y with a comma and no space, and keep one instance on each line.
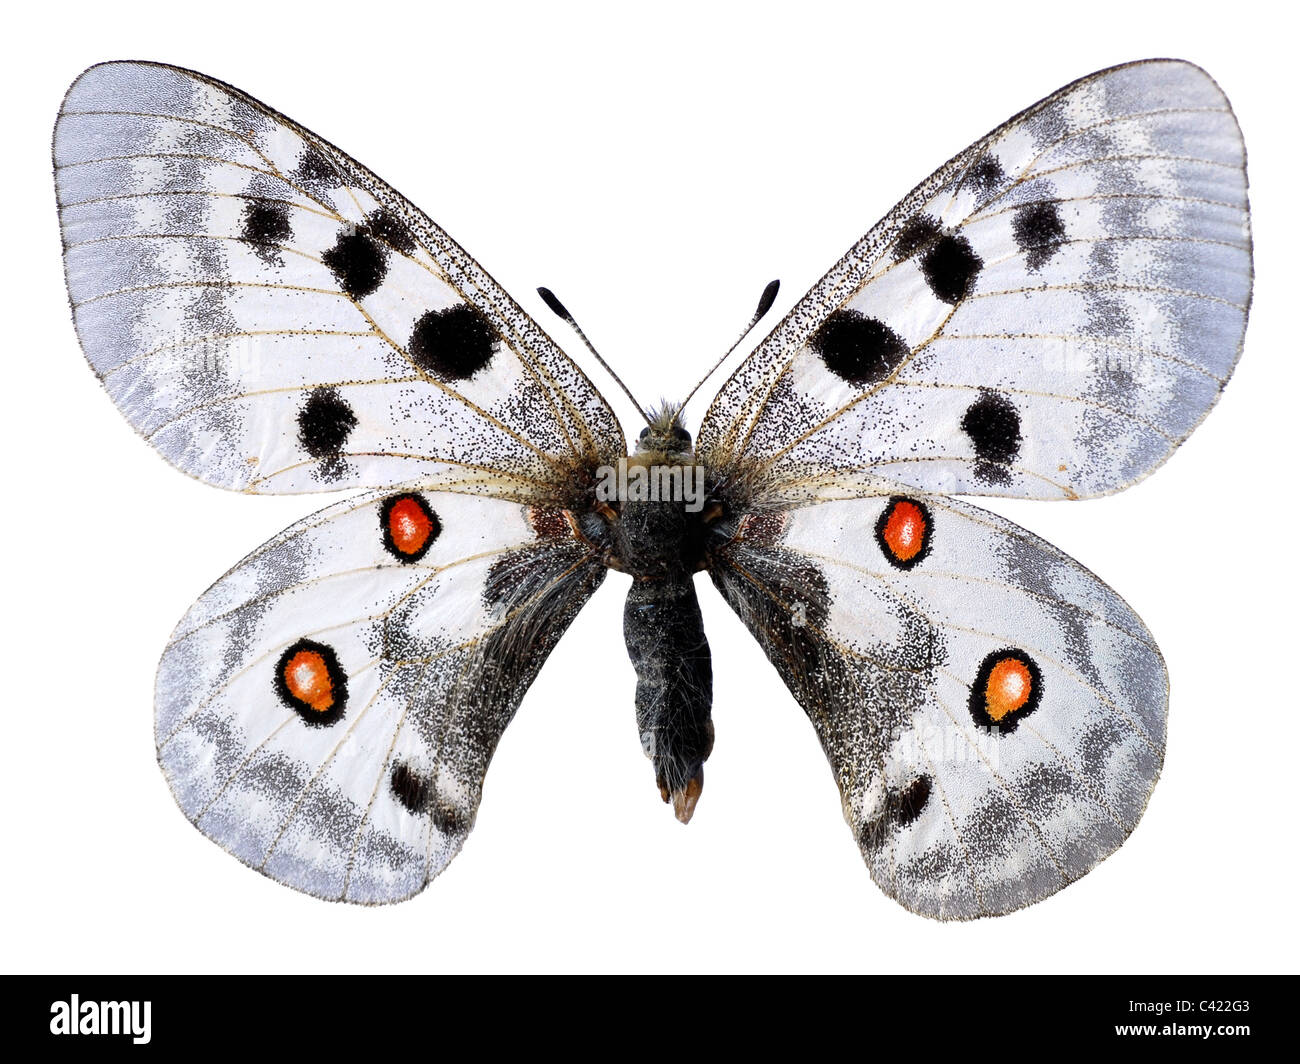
(1048,315)
(273,317)
(327,710)
(994,714)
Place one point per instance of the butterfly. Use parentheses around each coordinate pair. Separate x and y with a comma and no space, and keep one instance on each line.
(1048,315)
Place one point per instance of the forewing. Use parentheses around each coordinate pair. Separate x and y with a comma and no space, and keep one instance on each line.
(273,317)
(1048,315)
(327,710)
(993,713)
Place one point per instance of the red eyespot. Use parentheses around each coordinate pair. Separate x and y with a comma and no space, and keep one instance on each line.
(903,532)
(307,679)
(409,526)
(1007,688)
(310,681)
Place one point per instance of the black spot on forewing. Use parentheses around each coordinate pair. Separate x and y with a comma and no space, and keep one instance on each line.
(266,223)
(986,175)
(453,344)
(324,423)
(858,349)
(409,787)
(314,169)
(918,232)
(385,226)
(993,425)
(267,228)
(950,267)
(358,263)
(1038,231)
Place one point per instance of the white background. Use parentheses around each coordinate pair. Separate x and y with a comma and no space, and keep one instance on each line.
(656,169)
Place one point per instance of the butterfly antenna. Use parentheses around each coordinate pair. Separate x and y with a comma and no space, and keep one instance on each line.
(765,302)
(560,310)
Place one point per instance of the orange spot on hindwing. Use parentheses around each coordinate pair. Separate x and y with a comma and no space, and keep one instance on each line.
(310,681)
(1007,688)
(903,532)
(409,526)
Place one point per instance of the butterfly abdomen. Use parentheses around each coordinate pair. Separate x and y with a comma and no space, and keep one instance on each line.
(660,543)
(674,685)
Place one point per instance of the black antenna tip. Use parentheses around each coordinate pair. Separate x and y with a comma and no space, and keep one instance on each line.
(766,300)
(558,308)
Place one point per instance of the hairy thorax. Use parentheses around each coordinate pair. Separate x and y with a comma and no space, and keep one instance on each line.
(658,539)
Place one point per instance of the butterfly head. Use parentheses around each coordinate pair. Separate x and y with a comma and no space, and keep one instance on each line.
(664,435)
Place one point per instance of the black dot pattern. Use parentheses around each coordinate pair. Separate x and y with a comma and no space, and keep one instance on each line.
(324,423)
(266,223)
(920,231)
(385,226)
(314,169)
(358,262)
(1038,230)
(950,267)
(993,425)
(986,175)
(449,820)
(409,787)
(859,349)
(901,807)
(910,802)
(453,344)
